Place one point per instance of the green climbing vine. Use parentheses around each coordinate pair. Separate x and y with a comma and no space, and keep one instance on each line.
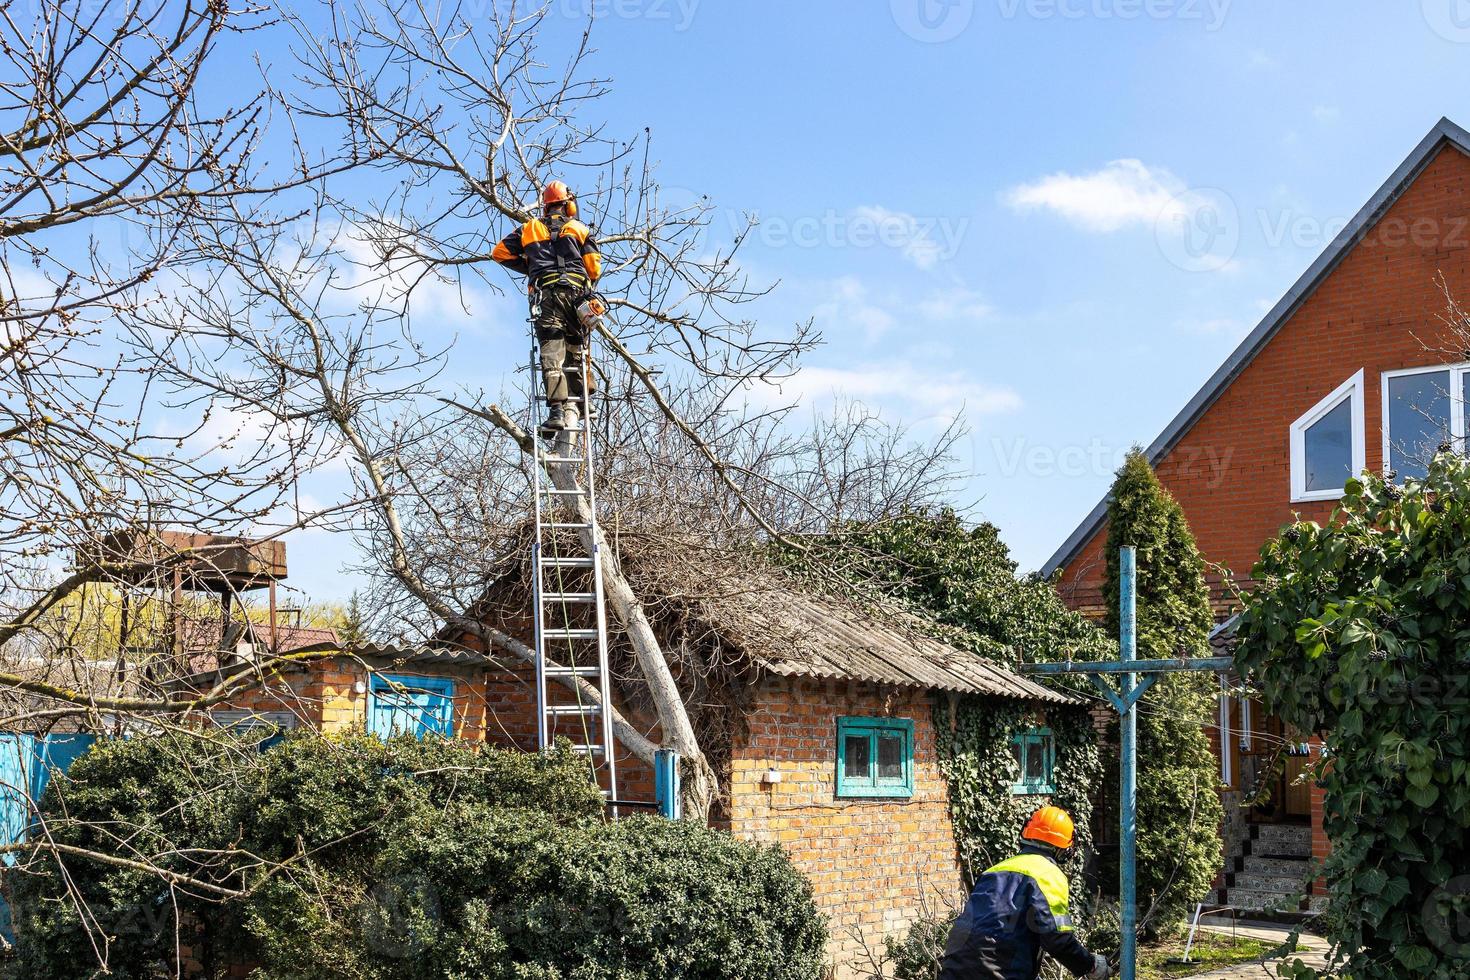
(1360,632)
(974,742)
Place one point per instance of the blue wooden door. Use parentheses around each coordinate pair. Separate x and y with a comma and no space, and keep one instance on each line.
(417,706)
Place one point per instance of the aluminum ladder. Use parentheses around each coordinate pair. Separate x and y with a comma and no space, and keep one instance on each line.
(570,609)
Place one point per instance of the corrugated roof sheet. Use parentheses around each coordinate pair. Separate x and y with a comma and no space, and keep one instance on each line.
(843,643)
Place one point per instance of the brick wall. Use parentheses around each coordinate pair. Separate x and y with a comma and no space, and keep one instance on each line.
(1376,311)
(332,694)
(873,863)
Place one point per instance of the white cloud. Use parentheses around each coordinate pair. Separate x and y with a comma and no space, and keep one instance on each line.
(1123,193)
(1326,115)
(434,300)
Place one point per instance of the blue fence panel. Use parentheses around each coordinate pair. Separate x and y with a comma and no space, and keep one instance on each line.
(27,764)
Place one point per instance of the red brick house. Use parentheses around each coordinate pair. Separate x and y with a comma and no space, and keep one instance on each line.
(1348,372)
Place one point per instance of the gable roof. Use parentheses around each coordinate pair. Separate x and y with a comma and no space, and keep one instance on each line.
(1445,133)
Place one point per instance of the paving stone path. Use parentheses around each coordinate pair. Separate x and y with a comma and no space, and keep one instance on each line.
(1311,950)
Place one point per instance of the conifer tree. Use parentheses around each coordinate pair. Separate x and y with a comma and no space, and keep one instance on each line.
(1179,809)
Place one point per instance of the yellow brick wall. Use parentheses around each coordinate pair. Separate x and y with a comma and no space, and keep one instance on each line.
(875,865)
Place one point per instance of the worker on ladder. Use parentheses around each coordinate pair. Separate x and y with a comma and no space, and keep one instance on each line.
(1018,910)
(558,256)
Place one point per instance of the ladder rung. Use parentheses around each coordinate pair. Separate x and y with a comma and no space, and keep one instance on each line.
(573,710)
(572,634)
(562,459)
(571,526)
(589,750)
(574,671)
(567,562)
(553,492)
(568,597)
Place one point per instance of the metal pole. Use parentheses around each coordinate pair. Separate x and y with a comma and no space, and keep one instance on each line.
(1128,646)
(666,784)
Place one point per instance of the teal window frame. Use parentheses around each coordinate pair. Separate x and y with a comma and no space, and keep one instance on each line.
(1046,784)
(872,786)
(386,710)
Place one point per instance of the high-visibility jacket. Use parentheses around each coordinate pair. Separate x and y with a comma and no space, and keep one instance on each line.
(1018,910)
(555,251)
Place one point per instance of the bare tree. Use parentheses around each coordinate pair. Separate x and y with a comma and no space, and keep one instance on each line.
(458,112)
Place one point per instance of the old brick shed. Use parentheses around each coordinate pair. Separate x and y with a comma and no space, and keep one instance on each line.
(817,712)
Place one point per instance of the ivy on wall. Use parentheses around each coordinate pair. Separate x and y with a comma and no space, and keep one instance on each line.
(974,738)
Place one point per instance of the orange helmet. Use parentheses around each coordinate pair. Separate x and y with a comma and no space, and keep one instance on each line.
(557,192)
(1050,825)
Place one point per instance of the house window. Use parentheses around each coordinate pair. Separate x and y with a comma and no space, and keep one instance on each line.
(1423,410)
(417,706)
(875,757)
(1328,445)
(1035,752)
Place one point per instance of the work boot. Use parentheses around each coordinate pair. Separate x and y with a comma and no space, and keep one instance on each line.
(555,421)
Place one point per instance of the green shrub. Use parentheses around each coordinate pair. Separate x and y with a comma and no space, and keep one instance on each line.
(1359,632)
(403,861)
(916,954)
(478,893)
(141,799)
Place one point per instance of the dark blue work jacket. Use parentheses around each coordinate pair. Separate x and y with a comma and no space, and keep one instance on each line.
(1018,910)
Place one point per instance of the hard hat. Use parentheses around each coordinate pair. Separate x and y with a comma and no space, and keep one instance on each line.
(1050,825)
(557,192)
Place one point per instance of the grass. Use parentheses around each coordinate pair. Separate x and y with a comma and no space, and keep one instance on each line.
(1210,952)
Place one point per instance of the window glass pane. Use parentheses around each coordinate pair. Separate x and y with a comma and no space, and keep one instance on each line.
(858,757)
(1418,420)
(1329,449)
(1035,760)
(890,757)
(1016,754)
(1464,400)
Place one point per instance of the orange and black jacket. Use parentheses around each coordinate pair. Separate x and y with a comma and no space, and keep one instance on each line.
(555,251)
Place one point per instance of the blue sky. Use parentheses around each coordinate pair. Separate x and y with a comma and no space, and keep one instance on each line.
(1058,215)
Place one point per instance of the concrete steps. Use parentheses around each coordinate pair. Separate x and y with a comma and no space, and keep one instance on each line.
(1268,871)
(1282,841)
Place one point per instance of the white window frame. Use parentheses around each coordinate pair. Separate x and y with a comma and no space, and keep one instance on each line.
(1351,389)
(1457,401)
